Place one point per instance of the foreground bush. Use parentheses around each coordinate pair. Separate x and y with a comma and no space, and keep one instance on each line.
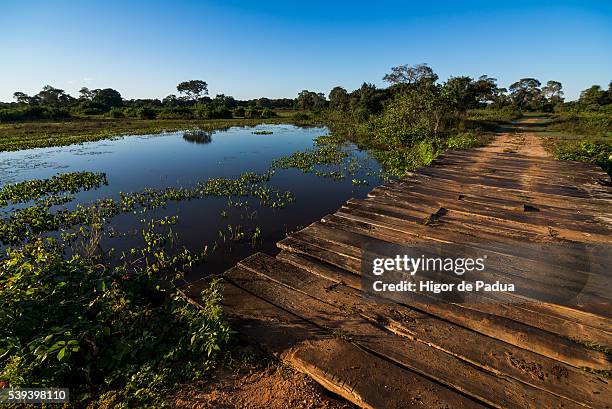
(584,123)
(120,334)
(595,152)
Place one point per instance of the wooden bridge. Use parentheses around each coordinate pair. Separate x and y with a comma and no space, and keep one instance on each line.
(306,304)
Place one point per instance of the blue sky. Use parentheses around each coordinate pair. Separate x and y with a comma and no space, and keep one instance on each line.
(250,49)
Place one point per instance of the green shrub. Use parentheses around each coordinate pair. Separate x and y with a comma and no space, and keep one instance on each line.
(503,115)
(598,153)
(97,329)
(116,113)
(175,113)
(239,112)
(147,113)
(598,123)
(34,112)
(301,116)
(252,113)
(464,140)
(267,113)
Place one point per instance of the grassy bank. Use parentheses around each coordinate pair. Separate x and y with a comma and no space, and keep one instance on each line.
(38,134)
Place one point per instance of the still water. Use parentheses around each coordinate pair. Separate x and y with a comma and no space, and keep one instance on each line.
(182,159)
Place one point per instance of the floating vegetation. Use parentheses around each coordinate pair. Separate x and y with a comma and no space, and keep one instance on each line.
(71,182)
(24,224)
(308,159)
(262,132)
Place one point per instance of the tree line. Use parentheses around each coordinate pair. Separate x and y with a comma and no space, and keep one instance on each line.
(418,85)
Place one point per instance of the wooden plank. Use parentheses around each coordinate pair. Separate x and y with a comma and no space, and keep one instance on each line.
(497,391)
(510,331)
(527,289)
(490,354)
(491,222)
(336,364)
(448,231)
(566,323)
(562,278)
(470,186)
(517,214)
(524,177)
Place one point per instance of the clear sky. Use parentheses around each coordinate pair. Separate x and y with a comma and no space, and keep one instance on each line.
(250,49)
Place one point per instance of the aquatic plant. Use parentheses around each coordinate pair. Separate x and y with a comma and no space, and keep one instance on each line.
(71,182)
(262,132)
(24,224)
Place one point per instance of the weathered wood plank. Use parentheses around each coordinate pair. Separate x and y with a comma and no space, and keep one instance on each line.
(505,329)
(566,322)
(338,365)
(490,354)
(497,391)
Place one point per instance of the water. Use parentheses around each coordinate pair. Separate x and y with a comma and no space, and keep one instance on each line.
(182,159)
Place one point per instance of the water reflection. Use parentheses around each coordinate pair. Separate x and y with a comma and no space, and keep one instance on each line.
(198,136)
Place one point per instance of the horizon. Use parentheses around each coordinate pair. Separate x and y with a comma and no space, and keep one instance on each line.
(274,50)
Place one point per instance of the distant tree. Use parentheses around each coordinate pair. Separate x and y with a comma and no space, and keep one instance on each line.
(107,98)
(339,98)
(263,103)
(526,94)
(460,93)
(54,96)
(486,90)
(22,98)
(225,101)
(170,101)
(310,100)
(85,94)
(593,95)
(193,89)
(553,92)
(406,74)
(367,100)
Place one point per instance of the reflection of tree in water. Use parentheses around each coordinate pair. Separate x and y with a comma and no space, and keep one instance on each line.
(198,136)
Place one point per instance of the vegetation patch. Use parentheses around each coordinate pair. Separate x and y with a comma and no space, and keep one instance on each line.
(123,335)
(71,182)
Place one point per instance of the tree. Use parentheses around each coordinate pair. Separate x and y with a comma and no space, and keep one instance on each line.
(486,90)
(170,101)
(193,89)
(460,93)
(85,94)
(552,91)
(54,96)
(107,98)
(526,94)
(22,98)
(593,95)
(310,100)
(405,74)
(339,98)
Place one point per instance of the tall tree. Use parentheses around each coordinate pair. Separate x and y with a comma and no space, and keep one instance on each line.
(407,74)
(310,100)
(107,98)
(553,92)
(193,89)
(22,98)
(54,96)
(526,94)
(593,96)
(339,98)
